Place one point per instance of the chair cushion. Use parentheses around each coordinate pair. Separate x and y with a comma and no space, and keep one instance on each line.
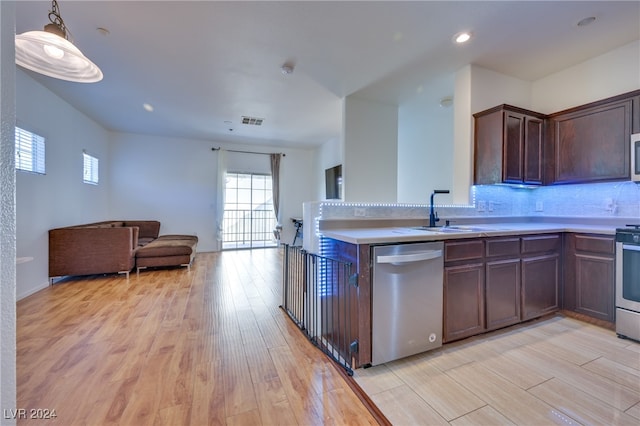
(171,246)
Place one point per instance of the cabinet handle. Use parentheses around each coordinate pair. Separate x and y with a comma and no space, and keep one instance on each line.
(408,258)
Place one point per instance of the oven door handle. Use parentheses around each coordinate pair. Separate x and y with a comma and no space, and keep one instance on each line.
(630,247)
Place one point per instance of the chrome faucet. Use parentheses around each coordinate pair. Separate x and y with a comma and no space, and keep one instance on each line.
(433,215)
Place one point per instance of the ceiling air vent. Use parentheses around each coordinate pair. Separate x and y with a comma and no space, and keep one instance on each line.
(253,121)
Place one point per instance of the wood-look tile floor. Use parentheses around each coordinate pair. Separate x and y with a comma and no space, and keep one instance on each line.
(556,370)
(171,347)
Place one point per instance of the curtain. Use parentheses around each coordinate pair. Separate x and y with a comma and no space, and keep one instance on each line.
(220,190)
(275,184)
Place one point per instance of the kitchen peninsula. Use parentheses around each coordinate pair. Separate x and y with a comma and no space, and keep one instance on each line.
(496,273)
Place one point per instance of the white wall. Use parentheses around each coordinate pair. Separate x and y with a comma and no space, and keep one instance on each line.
(477,89)
(425,145)
(141,177)
(490,88)
(58,198)
(298,180)
(7,213)
(610,74)
(174,181)
(462,137)
(370,151)
(170,180)
(326,155)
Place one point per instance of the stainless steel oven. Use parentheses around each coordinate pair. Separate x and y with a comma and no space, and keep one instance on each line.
(635,157)
(628,282)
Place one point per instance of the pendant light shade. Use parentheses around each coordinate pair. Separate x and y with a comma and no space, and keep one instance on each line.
(49,52)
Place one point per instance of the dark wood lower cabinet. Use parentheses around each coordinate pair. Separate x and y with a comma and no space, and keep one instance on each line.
(464,301)
(589,280)
(540,279)
(502,293)
(496,282)
(594,279)
(353,302)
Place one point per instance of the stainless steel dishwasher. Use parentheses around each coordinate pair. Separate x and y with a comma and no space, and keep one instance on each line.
(407,300)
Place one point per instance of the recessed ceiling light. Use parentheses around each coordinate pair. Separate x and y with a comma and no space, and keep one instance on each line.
(462,37)
(287,68)
(446,102)
(586,21)
(147,107)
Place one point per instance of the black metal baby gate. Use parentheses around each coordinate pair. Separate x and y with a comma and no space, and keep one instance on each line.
(318,295)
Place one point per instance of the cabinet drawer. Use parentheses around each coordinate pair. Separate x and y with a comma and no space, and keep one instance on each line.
(502,247)
(463,250)
(540,244)
(595,244)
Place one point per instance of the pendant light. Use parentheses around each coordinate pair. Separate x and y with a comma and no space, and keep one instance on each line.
(49,52)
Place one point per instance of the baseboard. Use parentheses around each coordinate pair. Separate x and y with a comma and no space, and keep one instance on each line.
(32,291)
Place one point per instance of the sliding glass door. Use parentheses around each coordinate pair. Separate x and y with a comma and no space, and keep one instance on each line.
(249,219)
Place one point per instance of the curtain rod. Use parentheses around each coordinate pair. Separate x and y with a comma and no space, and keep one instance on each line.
(248,152)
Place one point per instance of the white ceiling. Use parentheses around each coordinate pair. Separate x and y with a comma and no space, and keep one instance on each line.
(203,64)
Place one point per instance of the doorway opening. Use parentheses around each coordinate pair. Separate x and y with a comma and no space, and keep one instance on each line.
(249,219)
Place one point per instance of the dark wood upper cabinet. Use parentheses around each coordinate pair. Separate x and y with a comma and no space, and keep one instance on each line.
(591,143)
(509,146)
(534,151)
(588,143)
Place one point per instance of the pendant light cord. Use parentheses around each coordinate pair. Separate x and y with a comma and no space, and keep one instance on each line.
(56,19)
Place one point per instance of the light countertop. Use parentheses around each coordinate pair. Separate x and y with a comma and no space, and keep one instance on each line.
(402,234)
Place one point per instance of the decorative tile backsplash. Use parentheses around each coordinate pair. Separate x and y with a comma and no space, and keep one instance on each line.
(595,200)
(615,199)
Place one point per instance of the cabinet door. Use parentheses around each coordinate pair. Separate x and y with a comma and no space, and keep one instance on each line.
(524,141)
(589,283)
(489,134)
(592,144)
(594,286)
(502,293)
(539,285)
(463,301)
(533,151)
(513,170)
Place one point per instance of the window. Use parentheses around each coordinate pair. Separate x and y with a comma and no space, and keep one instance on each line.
(29,151)
(90,169)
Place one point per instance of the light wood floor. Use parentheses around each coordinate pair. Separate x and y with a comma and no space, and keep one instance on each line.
(212,347)
(172,347)
(552,371)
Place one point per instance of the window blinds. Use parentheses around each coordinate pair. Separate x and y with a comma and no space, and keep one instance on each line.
(90,169)
(29,151)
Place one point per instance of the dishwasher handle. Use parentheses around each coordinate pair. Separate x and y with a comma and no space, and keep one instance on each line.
(409,258)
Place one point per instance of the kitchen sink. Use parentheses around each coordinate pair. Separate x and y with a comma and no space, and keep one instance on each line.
(455,228)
